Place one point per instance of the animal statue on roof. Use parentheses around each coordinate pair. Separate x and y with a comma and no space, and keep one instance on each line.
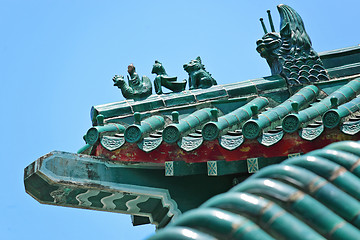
(163,80)
(198,76)
(136,88)
(289,52)
(160,157)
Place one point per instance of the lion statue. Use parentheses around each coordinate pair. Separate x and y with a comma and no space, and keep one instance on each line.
(198,76)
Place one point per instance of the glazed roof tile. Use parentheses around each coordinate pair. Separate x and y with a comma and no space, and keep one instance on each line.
(140,150)
(334,116)
(294,121)
(307,104)
(187,98)
(314,196)
(303,97)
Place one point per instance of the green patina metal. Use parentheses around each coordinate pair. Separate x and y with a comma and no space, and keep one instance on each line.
(214,129)
(333,117)
(173,132)
(252,128)
(163,80)
(294,121)
(137,132)
(93,134)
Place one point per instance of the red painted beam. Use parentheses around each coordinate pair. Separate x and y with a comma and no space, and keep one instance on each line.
(211,150)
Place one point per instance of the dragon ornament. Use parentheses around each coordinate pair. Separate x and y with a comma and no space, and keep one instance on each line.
(289,52)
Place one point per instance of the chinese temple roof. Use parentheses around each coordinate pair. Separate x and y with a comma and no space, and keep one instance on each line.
(340,64)
(229,116)
(307,94)
(146,155)
(314,196)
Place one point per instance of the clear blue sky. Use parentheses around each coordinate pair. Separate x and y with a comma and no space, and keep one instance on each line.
(57,59)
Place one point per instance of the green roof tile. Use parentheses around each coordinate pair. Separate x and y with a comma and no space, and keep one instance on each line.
(178,99)
(311,200)
(294,121)
(332,117)
(252,128)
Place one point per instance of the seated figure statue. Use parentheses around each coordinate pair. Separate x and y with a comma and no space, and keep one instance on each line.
(137,88)
(163,80)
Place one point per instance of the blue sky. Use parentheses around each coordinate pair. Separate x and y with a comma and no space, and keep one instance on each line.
(57,59)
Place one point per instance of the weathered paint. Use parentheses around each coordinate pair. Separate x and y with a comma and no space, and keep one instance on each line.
(212,151)
(81,181)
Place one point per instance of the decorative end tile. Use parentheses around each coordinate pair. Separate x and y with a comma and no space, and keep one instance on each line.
(169,168)
(350,128)
(310,133)
(149,144)
(252,164)
(212,168)
(231,142)
(112,143)
(190,143)
(269,139)
(292,155)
